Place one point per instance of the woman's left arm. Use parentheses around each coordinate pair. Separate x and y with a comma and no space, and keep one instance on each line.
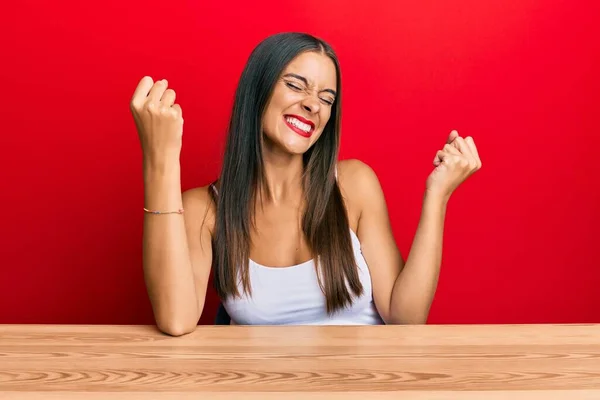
(404,291)
(415,286)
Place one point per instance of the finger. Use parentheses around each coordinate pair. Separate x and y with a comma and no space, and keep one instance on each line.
(141,91)
(471,143)
(178,109)
(451,149)
(179,112)
(440,156)
(464,147)
(157,91)
(168,98)
(453,135)
(472,160)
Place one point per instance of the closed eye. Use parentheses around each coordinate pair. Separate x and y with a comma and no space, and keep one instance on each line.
(293,86)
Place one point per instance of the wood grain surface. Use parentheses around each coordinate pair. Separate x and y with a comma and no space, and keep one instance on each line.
(313,362)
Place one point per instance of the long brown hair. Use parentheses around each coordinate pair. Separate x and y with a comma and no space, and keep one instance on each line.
(325,220)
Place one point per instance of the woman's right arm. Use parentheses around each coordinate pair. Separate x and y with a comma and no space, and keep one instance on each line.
(177,251)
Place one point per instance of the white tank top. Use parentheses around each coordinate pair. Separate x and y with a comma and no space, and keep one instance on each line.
(292,296)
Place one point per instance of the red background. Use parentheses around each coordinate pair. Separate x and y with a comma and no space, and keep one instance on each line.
(521,237)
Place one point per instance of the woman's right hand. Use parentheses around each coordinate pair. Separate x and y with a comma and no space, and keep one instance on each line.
(159,121)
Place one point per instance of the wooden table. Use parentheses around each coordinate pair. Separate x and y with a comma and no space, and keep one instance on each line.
(369,362)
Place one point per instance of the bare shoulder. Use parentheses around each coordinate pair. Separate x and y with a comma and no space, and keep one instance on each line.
(200,208)
(359,185)
(358,180)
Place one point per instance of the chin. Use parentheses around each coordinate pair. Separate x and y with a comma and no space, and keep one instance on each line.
(296,144)
(295,149)
(289,142)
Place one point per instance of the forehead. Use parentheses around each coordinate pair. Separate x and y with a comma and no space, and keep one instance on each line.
(317,68)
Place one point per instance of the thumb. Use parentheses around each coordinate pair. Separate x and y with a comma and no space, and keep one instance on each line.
(453,136)
(178,109)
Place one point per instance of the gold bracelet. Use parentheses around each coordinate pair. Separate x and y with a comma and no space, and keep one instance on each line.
(180,211)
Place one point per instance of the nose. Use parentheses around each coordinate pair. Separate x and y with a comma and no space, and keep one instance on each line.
(311,104)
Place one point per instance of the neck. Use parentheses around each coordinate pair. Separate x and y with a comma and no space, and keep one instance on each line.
(283,177)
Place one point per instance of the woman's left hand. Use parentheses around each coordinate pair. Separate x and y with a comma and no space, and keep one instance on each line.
(457,161)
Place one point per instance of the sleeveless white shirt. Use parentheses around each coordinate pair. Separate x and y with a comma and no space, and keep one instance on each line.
(292,296)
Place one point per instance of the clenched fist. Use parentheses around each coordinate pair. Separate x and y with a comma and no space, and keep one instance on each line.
(159,121)
(458,160)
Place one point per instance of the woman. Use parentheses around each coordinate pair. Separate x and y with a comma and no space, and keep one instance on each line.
(293,235)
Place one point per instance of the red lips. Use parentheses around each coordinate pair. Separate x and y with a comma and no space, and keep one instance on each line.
(298,130)
(302,119)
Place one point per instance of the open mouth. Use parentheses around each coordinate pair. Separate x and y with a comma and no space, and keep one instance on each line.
(301,126)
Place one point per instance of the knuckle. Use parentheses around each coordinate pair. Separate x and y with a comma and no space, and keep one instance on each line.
(165,111)
(151,108)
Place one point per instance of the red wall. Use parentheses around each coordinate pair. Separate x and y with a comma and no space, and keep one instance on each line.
(521,238)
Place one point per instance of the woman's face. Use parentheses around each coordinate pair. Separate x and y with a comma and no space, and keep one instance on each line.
(301,103)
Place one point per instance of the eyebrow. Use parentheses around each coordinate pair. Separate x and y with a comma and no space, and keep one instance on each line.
(303,79)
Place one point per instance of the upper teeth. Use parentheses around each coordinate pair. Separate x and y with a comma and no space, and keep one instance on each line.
(298,124)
